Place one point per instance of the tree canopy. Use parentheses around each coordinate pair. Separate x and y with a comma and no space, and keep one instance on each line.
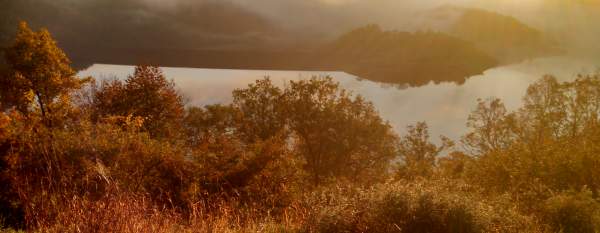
(38,72)
(147,94)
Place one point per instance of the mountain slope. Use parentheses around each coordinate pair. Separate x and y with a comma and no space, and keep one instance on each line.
(504,37)
(219,34)
(84,28)
(403,57)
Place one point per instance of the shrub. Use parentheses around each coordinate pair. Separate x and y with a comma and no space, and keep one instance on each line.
(422,206)
(147,93)
(573,212)
(43,167)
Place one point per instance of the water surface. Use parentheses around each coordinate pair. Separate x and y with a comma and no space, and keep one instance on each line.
(445,107)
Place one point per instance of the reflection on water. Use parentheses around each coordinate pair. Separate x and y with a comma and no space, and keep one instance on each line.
(445,107)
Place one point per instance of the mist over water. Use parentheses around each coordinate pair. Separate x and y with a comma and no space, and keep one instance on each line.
(445,107)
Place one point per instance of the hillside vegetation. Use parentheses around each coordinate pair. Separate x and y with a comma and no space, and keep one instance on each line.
(404,57)
(78,155)
(503,37)
(217,34)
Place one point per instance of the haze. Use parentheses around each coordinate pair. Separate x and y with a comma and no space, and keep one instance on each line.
(316,116)
(573,23)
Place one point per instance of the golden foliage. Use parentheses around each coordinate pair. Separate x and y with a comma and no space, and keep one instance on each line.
(39,72)
(310,157)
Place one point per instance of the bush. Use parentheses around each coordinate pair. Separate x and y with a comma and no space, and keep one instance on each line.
(147,94)
(43,167)
(439,206)
(573,212)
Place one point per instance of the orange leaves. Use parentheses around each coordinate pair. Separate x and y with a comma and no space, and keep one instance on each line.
(146,94)
(4,121)
(39,74)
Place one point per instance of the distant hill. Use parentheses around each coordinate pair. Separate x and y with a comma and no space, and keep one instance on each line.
(504,37)
(85,28)
(368,52)
(404,57)
(219,34)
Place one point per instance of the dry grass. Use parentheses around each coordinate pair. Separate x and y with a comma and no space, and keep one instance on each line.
(133,214)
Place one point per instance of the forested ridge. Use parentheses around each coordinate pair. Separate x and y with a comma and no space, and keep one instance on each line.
(224,35)
(80,155)
(493,33)
(404,57)
(505,38)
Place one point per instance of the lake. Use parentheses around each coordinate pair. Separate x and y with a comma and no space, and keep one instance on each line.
(445,106)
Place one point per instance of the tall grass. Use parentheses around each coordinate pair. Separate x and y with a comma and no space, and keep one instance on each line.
(422,206)
(135,214)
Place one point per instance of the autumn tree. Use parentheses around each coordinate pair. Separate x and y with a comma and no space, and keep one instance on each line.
(418,154)
(334,134)
(545,154)
(256,114)
(453,165)
(338,135)
(261,110)
(490,125)
(38,72)
(235,162)
(3,84)
(204,124)
(147,94)
(548,145)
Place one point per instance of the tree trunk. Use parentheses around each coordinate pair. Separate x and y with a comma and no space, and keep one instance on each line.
(43,109)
